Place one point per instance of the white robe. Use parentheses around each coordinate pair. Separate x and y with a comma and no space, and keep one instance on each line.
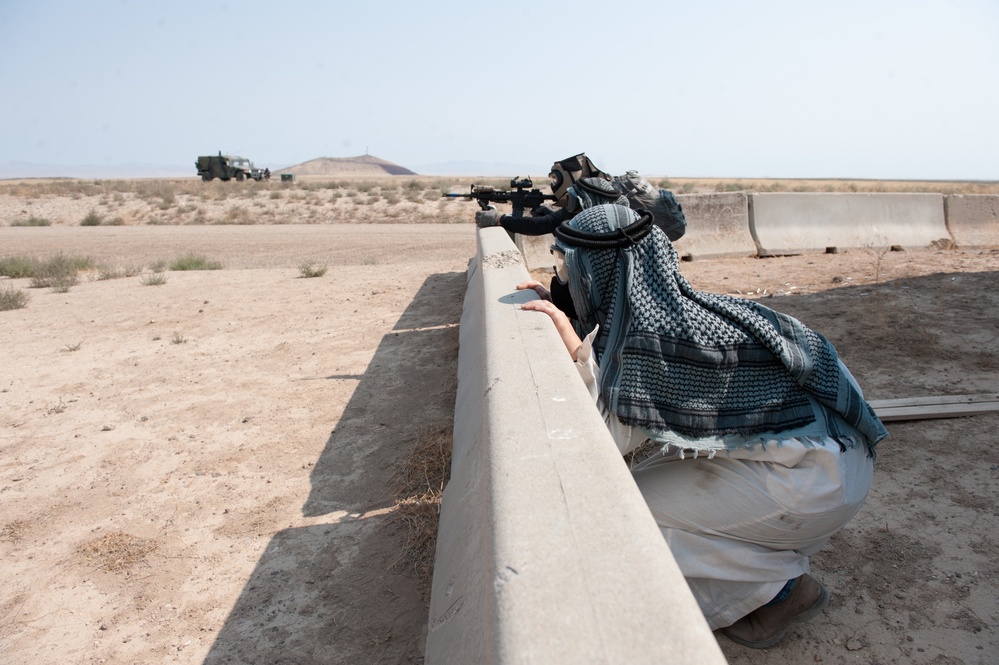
(741,523)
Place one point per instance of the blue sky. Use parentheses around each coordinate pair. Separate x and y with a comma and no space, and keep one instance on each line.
(871,89)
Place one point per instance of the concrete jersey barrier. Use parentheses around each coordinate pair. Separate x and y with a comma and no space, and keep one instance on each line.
(536,250)
(546,551)
(793,223)
(717,226)
(973,219)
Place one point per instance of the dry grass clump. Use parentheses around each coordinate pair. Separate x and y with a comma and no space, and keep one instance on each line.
(106,272)
(59,272)
(236,215)
(33,221)
(92,218)
(309,270)
(43,272)
(116,551)
(155,278)
(193,261)
(17,267)
(420,484)
(11,298)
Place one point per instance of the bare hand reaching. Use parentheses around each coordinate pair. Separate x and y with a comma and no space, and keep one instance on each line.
(538,287)
(562,324)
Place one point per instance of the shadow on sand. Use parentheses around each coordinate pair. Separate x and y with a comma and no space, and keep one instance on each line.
(355,605)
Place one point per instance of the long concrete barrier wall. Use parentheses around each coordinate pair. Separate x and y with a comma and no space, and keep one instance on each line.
(717,226)
(771,224)
(546,552)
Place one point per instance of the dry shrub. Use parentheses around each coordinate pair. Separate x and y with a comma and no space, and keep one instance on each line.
(106,272)
(11,298)
(60,272)
(236,215)
(307,269)
(419,486)
(117,551)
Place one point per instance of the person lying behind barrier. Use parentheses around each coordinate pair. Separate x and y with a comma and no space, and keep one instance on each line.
(578,184)
(766,445)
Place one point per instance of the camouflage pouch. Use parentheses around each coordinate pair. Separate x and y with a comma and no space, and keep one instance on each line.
(667,213)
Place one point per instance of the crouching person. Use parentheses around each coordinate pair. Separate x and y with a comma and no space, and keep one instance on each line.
(765,444)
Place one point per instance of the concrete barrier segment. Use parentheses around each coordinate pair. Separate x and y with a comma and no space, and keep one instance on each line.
(973,219)
(546,552)
(717,226)
(536,250)
(795,223)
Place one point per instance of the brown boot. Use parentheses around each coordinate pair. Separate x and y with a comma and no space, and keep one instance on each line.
(765,626)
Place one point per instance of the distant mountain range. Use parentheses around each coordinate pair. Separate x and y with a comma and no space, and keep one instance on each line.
(333,166)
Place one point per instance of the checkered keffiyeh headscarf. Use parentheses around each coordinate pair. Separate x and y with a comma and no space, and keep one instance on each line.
(592,192)
(676,359)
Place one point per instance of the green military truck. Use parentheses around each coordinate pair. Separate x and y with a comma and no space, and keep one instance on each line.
(227,167)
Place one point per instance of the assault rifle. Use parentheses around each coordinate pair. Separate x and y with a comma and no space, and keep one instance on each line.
(520,198)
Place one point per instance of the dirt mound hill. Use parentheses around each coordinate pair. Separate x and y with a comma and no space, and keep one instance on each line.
(340,166)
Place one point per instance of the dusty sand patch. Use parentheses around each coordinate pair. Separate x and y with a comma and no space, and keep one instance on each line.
(257,454)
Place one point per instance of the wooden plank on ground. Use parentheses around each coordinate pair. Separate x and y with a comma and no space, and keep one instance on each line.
(943,406)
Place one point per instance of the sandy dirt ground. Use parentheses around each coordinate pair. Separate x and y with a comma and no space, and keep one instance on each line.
(202,471)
